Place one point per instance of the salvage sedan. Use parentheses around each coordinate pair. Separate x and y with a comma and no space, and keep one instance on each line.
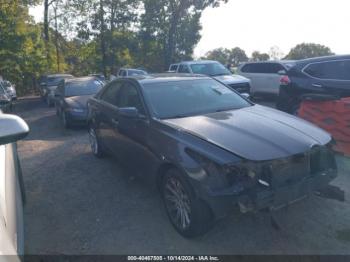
(71,99)
(207,148)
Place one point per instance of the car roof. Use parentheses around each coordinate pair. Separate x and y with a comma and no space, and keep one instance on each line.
(165,77)
(195,62)
(322,58)
(59,75)
(80,79)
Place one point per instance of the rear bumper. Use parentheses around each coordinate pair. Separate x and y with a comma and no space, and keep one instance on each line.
(79,118)
(261,197)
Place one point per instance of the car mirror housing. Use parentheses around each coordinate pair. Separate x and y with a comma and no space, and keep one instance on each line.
(12,129)
(129,112)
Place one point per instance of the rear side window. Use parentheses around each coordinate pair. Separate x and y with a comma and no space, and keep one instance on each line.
(183,69)
(333,70)
(262,68)
(173,67)
(110,94)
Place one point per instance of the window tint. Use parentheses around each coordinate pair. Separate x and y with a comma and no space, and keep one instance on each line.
(122,73)
(183,69)
(211,69)
(81,88)
(129,97)
(173,67)
(262,68)
(190,97)
(110,94)
(337,70)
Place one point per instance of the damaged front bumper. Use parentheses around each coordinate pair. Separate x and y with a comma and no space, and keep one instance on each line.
(263,197)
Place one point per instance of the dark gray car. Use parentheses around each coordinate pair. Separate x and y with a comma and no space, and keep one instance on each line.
(207,148)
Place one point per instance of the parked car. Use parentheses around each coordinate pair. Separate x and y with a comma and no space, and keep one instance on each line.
(173,68)
(72,96)
(10,89)
(328,75)
(99,76)
(48,85)
(125,72)
(217,71)
(12,129)
(207,148)
(264,76)
(5,100)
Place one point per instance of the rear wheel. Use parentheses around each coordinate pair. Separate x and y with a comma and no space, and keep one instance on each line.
(189,215)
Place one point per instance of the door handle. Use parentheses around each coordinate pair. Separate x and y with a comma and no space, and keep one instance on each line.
(317,85)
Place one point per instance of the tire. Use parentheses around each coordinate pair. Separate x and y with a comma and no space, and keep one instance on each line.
(179,198)
(65,121)
(95,145)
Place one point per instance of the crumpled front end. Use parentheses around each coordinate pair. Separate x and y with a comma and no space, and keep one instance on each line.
(273,184)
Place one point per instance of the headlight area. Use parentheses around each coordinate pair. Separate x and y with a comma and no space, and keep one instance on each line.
(256,185)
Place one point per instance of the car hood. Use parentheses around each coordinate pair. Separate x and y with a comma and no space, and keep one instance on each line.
(232,79)
(78,101)
(255,133)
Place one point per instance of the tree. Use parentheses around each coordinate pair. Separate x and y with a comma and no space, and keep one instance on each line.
(219,54)
(237,56)
(257,56)
(22,53)
(276,53)
(308,50)
(166,23)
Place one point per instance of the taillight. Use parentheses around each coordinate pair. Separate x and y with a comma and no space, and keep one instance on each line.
(285,80)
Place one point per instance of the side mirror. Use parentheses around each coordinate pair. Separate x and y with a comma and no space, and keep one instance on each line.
(246,95)
(282,72)
(128,112)
(12,129)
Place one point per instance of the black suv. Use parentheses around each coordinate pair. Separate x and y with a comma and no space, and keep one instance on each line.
(328,75)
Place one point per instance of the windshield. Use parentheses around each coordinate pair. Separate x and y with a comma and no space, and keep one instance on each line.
(210,69)
(82,88)
(133,72)
(55,80)
(190,97)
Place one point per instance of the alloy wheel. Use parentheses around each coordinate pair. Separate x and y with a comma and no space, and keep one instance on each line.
(177,203)
(93,141)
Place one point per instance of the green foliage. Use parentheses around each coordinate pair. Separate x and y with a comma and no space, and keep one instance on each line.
(233,56)
(308,50)
(257,56)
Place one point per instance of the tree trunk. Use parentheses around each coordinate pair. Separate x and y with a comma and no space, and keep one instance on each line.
(46,29)
(56,42)
(103,40)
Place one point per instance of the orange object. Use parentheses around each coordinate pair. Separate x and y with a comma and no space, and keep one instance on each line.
(333,116)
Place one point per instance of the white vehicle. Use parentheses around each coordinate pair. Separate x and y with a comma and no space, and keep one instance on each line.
(10,89)
(173,68)
(217,71)
(264,76)
(125,72)
(12,128)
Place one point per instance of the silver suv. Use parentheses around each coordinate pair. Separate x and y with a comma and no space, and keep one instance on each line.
(217,71)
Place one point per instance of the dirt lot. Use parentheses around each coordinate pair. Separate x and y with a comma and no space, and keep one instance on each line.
(77,204)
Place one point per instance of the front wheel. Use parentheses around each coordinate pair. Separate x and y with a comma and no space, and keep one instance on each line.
(189,215)
(94,144)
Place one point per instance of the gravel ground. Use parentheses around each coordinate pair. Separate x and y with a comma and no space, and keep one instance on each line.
(77,204)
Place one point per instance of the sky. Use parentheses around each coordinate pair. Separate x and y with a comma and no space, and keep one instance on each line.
(261,24)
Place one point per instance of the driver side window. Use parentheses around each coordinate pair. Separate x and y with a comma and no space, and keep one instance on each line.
(183,69)
(129,97)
